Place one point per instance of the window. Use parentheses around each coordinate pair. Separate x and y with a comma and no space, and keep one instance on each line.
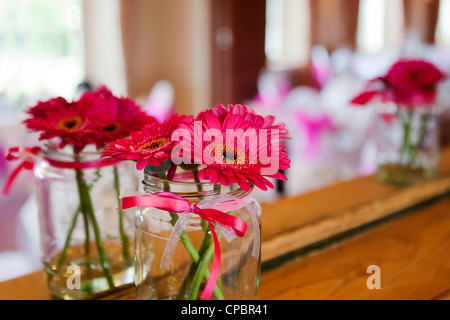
(370,35)
(287,33)
(443,27)
(41,52)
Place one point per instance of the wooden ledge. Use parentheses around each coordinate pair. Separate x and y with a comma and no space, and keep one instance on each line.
(292,224)
(410,252)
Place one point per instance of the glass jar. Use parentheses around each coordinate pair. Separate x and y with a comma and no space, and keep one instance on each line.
(239,269)
(87,244)
(407,143)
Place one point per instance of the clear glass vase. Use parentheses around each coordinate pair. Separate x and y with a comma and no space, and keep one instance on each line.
(407,143)
(87,243)
(184,279)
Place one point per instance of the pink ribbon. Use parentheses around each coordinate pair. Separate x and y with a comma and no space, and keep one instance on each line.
(29,157)
(207,209)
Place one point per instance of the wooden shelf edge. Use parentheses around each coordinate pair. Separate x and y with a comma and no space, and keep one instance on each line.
(443,296)
(347,219)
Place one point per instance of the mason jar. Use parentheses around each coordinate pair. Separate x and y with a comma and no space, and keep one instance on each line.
(183,277)
(408,148)
(87,241)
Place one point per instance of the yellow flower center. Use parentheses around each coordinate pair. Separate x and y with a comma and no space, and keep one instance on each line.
(70,123)
(154,144)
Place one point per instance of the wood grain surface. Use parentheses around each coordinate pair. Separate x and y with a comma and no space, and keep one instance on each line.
(411,252)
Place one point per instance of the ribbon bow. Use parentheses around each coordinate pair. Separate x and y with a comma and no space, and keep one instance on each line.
(28,157)
(208,209)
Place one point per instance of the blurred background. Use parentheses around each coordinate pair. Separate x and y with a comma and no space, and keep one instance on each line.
(300,60)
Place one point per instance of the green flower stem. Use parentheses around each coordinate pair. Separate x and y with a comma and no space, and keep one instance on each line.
(123,236)
(410,150)
(202,268)
(423,131)
(185,239)
(187,281)
(407,124)
(72,227)
(86,207)
(192,270)
(69,236)
(196,179)
(86,233)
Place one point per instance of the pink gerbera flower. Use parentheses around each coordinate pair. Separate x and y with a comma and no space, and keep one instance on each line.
(411,75)
(412,82)
(73,123)
(248,115)
(150,146)
(408,82)
(234,151)
(125,115)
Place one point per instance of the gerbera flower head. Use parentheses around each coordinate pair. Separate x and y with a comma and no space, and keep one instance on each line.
(409,82)
(248,115)
(152,145)
(232,150)
(412,82)
(125,116)
(72,123)
(411,74)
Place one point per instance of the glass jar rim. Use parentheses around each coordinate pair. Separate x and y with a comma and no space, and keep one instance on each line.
(192,189)
(51,150)
(387,106)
